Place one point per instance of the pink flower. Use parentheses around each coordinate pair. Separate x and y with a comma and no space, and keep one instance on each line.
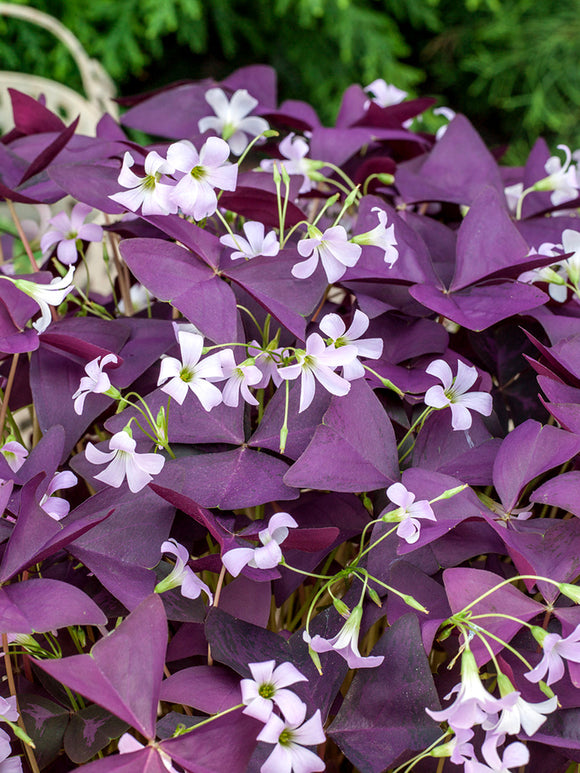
(294,151)
(201,172)
(149,193)
(514,756)
(15,454)
(335,329)
(269,554)
(239,379)
(562,180)
(318,362)
(177,377)
(453,393)
(254,244)
(68,230)
(556,650)
(408,513)
(46,295)
(57,507)
(267,360)
(345,643)
(266,688)
(182,575)
(380,236)
(289,755)
(125,462)
(332,247)
(232,120)
(95,382)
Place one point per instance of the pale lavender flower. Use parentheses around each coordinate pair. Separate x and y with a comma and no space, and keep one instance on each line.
(95,382)
(562,180)
(267,360)
(345,643)
(125,462)
(384,94)
(408,512)
(380,236)
(8,764)
(8,709)
(46,295)
(318,362)
(453,393)
(269,554)
(15,454)
(255,243)
(514,756)
(335,329)
(473,703)
(57,507)
(239,379)
(68,230)
(267,687)
(182,575)
(294,151)
(201,172)
(176,377)
(289,755)
(556,650)
(332,247)
(149,193)
(232,120)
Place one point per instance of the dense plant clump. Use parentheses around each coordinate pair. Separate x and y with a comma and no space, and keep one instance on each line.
(281,494)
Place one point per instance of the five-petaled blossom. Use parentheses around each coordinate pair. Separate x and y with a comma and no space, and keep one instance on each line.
(514,756)
(408,512)
(201,173)
(268,555)
(95,382)
(345,643)
(339,336)
(232,120)
(239,379)
(453,393)
(68,230)
(380,236)
(46,295)
(473,703)
(517,715)
(556,650)
(176,377)
(255,243)
(15,454)
(57,507)
(294,151)
(182,575)
(318,361)
(332,247)
(266,688)
(289,755)
(562,180)
(148,192)
(125,462)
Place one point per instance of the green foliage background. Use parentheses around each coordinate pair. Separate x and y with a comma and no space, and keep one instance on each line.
(510,65)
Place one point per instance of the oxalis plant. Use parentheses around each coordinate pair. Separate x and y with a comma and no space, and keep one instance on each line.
(295,487)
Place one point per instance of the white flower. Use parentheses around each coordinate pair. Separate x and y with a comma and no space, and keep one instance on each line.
(380,236)
(345,643)
(452,393)
(232,120)
(52,294)
(268,555)
(447,113)
(124,461)
(289,755)
(239,379)
(177,377)
(267,360)
(15,454)
(318,362)
(518,714)
(371,348)
(149,193)
(294,151)
(57,507)
(512,195)
(69,229)
(408,512)
(332,247)
(255,243)
(562,181)
(181,575)
(266,688)
(95,382)
(202,172)
(384,94)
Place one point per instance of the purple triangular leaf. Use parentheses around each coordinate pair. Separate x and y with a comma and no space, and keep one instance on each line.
(210,689)
(89,731)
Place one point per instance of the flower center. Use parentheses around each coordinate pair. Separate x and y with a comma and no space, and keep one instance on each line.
(228,131)
(71,235)
(285,738)
(151,181)
(342,341)
(267,690)
(186,374)
(198,172)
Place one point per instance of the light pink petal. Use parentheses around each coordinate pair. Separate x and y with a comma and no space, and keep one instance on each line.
(466,378)
(306,268)
(114,474)
(398,494)
(259,708)
(224,177)
(333,268)
(422,509)
(409,530)
(175,388)
(62,223)
(311,733)
(281,759)
(217,99)
(94,456)
(137,477)
(90,232)
(238,142)
(122,441)
(270,733)
(192,586)
(64,479)
(441,370)
(207,394)
(214,152)
(131,199)
(241,104)
(191,346)
(183,156)
(79,214)
(515,754)
(127,178)
(268,556)
(290,372)
(435,397)
(170,368)
(307,389)
(270,245)
(372,348)
(49,240)
(306,246)
(56,507)
(279,524)
(460,417)
(333,326)
(210,122)
(287,674)
(290,705)
(332,382)
(481,402)
(235,560)
(255,234)
(231,392)
(358,326)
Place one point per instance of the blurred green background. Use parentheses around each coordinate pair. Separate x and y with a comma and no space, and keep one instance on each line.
(510,65)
